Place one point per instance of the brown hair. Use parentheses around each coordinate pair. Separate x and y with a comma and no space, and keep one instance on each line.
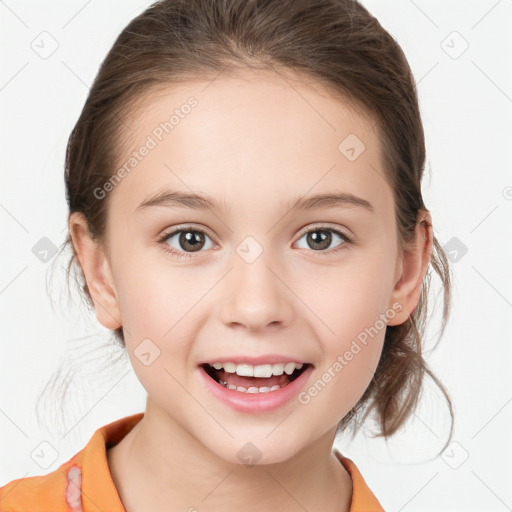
(336,43)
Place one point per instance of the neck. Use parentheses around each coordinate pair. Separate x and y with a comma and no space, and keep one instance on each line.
(158,464)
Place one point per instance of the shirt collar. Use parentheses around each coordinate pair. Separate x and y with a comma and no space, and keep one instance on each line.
(99,491)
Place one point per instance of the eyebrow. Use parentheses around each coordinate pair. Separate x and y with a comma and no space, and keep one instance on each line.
(169,198)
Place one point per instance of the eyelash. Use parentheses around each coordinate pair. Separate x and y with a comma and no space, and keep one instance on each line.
(184,255)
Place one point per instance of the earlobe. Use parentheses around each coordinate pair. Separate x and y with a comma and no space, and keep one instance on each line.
(414,264)
(97,273)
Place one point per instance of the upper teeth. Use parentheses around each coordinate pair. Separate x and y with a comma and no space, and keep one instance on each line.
(261,370)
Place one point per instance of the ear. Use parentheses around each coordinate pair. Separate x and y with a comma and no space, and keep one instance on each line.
(97,273)
(411,269)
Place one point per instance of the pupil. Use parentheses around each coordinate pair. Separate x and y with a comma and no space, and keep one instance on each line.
(191,238)
(318,239)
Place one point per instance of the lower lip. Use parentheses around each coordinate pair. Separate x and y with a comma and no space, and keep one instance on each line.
(256,402)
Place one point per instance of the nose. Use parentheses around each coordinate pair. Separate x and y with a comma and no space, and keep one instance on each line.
(256,296)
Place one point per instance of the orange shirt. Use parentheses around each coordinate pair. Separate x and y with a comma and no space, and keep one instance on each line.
(84,482)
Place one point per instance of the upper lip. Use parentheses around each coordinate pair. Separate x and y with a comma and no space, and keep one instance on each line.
(254,360)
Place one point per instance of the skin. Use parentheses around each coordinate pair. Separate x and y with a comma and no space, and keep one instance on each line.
(254,142)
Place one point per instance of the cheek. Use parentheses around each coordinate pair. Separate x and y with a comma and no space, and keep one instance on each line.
(348,365)
(159,310)
(156,315)
(349,305)
(343,300)
(152,299)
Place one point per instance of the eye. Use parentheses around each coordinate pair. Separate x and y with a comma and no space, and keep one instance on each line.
(190,240)
(320,238)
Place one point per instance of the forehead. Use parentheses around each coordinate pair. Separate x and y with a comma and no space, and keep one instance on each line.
(240,137)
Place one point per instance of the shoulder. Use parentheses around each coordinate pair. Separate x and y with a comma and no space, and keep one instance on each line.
(363,499)
(45,492)
(84,479)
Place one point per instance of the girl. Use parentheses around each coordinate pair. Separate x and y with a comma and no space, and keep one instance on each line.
(244,191)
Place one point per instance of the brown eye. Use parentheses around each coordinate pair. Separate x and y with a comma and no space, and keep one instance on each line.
(320,238)
(191,240)
(182,242)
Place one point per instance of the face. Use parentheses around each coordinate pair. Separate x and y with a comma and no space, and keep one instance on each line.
(242,279)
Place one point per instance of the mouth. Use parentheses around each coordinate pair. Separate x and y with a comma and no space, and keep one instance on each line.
(246,378)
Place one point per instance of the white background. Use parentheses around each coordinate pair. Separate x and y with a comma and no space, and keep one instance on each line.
(466,105)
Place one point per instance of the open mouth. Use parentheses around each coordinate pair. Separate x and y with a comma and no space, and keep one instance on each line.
(250,384)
